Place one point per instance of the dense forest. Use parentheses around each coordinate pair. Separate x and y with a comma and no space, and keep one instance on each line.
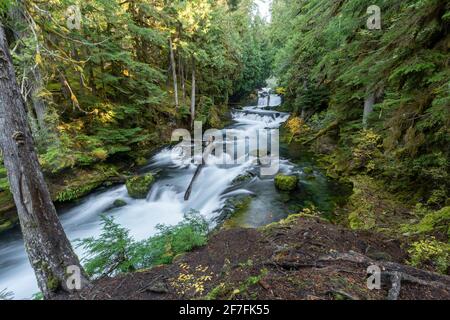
(385,92)
(116,83)
(90,90)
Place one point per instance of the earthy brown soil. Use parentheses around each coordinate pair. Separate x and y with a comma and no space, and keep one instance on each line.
(281,261)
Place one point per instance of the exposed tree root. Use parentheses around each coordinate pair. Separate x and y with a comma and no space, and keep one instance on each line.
(395,272)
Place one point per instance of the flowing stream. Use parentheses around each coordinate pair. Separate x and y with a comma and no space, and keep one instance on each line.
(215,185)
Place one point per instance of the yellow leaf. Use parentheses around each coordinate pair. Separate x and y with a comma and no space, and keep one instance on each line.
(38,59)
(74,99)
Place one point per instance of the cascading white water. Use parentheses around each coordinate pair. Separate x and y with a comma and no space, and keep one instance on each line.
(164,205)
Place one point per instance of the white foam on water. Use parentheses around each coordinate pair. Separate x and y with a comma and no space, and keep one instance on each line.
(164,205)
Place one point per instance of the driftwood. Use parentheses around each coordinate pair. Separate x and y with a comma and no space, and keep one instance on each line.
(208,149)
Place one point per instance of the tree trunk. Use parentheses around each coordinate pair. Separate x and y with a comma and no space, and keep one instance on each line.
(32,75)
(36,85)
(369,102)
(305,89)
(193,94)
(174,73)
(183,82)
(49,251)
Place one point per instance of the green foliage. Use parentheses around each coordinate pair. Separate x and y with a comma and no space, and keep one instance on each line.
(107,86)
(115,251)
(249,282)
(329,62)
(430,221)
(4,185)
(74,193)
(111,253)
(430,251)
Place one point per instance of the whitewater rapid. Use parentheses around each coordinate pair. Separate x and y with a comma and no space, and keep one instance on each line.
(164,205)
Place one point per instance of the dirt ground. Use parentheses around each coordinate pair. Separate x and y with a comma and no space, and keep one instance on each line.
(298,258)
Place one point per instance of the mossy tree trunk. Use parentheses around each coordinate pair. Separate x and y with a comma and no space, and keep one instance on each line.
(32,75)
(369,102)
(174,72)
(48,248)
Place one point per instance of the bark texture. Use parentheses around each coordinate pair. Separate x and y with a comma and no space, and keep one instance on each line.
(193,94)
(369,102)
(174,73)
(48,248)
(33,82)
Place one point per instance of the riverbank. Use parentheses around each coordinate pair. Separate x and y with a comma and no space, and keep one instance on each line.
(71,184)
(301,257)
(309,256)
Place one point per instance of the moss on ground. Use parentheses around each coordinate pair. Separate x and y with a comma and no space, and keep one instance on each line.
(371,207)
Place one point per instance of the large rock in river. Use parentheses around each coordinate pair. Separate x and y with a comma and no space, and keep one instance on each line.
(138,187)
(286,183)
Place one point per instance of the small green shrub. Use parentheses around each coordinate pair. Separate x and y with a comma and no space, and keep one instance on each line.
(430,251)
(111,253)
(115,251)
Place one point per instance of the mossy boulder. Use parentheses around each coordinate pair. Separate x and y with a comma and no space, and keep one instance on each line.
(242,178)
(119,203)
(308,170)
(138,187)
(286,183)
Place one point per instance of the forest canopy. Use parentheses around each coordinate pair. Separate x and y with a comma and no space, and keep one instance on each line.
(105,78)
(331,66)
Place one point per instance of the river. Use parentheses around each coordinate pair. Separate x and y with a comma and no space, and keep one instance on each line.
(165,203)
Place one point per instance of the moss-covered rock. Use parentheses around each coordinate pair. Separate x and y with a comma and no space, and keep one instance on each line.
(286,183)
(138,187)
(242,178)
(119,203)
(237,219)
(308,170)
(76,192)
